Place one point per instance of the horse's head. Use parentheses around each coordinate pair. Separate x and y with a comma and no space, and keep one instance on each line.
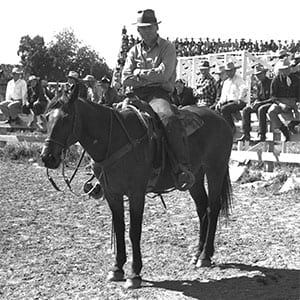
(61,116)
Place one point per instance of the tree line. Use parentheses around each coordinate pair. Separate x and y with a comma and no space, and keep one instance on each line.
(64,53)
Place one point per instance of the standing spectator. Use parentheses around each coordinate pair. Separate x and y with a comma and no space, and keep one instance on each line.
(93,93)
(285,93)
(260,102)
(206,91)
(15,98)
(183,95)
(233,96)
(108,94)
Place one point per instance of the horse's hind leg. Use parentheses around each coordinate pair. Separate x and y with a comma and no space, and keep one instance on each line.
(117,208)
(215,181)
(136,202)
(199,195)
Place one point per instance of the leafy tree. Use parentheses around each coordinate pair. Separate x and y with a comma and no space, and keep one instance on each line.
(87,61)
(63,49)
(64,53)
(35,57)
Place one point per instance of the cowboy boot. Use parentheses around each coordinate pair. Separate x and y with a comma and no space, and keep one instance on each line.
(177,140)
(285,132)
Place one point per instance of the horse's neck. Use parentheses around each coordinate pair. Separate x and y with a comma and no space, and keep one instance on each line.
(100,132)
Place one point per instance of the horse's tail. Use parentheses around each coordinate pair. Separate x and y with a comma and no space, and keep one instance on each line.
(226,195)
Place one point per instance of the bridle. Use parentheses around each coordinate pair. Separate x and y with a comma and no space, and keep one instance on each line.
(64,147)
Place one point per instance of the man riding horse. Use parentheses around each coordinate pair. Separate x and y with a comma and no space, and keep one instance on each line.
(150,73)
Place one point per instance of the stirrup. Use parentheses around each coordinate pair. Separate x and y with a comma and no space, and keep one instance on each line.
(185,180)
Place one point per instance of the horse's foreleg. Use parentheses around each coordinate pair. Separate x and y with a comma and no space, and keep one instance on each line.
(199,196)
(117,208)
(136,203)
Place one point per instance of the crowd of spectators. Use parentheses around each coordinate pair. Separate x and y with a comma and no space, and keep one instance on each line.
(190,47)
(202,46)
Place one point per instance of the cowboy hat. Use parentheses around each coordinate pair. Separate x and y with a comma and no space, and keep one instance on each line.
(283,65)
(282,53)
(32,77)
(73,74)
(204,65)
(89,78)
(258,69)
(16,70)
(146,18)
(230,66)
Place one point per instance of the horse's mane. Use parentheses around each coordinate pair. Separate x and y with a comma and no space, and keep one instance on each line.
(60,102)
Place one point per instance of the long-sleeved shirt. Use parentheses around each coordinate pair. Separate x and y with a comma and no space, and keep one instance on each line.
(260,89)
(16,90)
(234,89)
(206,90)
(285,86)
(186,97)
(151,67)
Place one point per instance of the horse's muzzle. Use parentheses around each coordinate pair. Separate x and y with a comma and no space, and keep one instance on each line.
(50,160)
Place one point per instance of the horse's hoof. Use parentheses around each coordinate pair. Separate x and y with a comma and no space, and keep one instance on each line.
(133,283)
(204,263)
(115,276)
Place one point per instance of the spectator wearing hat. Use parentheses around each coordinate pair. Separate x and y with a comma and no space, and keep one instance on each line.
(36,104)
(93,91)
(282,56)
(183,95)
(47,92)
(285,93)
(108,94)
(73,77)
(260,102)
(220,76)
(206,91)
(233,96)
(150,71)
(15,98)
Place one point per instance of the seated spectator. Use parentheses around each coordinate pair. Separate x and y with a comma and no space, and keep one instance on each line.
(206,91)
(220,76)
(36,104)
(285,93)
(15,98)
(260,102)
(234,94)
(47,92)
(108,94)
(73,78)
(183,95)
(93,91)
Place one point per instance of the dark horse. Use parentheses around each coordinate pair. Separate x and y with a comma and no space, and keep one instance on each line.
(116,142)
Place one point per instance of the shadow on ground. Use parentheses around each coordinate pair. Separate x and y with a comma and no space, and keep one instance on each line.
(261,283)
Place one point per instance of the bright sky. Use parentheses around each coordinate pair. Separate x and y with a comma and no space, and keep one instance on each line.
(99,23)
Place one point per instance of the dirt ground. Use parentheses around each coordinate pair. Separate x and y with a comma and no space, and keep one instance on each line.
(58,246)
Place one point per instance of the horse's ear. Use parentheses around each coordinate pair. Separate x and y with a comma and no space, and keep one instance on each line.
(74,93)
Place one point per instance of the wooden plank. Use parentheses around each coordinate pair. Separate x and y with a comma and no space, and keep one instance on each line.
(22,138)
(243,156)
